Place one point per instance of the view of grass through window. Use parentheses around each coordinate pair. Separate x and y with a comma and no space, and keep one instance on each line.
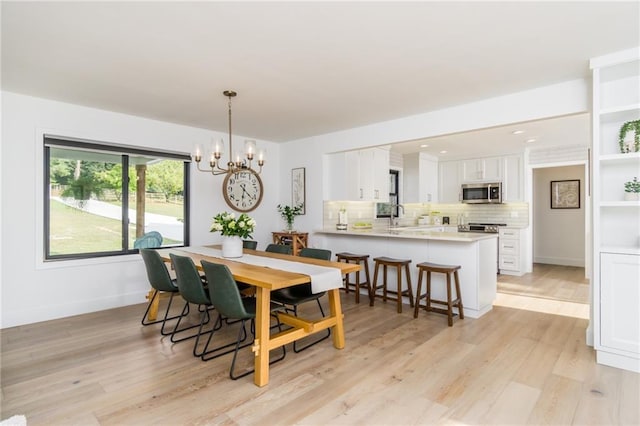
(86,215)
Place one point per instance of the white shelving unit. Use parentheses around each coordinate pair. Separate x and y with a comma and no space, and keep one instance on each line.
(616,222)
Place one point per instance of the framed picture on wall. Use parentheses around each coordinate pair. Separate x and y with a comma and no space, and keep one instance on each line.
(298,189)
(565,194)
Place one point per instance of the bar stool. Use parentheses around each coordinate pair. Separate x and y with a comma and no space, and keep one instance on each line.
(357,259)
(457,302)
(398,264)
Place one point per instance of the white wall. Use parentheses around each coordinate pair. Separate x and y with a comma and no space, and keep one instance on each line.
(549,101)
(558,234)
(33,290)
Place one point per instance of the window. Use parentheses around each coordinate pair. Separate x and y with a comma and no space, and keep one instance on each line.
(384,209)
(100,198)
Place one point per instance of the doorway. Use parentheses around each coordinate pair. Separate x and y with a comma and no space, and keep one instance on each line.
(559,244)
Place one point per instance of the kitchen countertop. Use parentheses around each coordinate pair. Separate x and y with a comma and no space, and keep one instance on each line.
(413,233)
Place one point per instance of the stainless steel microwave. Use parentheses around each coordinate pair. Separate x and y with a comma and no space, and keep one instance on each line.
(482,193)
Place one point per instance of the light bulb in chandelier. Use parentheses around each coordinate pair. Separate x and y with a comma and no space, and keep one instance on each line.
(237,160)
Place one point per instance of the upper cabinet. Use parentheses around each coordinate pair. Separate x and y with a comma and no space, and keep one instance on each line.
(513,179)
(507,169)
(482,170)
(450,177)
(420,178)
(358,175)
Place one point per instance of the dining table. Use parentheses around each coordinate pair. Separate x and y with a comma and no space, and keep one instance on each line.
(268,271)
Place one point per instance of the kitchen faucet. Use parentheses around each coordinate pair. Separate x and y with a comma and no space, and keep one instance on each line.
(393,206)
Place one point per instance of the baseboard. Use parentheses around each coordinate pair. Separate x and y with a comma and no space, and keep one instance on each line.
(618,361)
(79,307)
(561,261)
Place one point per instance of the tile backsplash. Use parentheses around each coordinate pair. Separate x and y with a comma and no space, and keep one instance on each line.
(513,214)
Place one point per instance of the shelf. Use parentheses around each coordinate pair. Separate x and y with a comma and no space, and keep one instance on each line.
(620,204)
(620,109)
(620,250)
(631,157)
(620,114)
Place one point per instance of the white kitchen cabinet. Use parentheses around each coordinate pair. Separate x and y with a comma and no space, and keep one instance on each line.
(620,321)
(513,179)
(358,175)
(616,228)
(449,181)
(507,169)
(373,183)
(482,169)
(510,255)
(420,178)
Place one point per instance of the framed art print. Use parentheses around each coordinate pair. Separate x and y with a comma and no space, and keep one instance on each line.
(565,194)
(298,189)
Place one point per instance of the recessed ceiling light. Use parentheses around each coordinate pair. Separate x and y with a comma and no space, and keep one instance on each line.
(424,145)
(530,140)
(443,152)
(517,132)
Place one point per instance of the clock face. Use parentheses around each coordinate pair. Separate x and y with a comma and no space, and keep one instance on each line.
(242,190)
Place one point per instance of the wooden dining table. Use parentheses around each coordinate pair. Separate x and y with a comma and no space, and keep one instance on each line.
(265,281)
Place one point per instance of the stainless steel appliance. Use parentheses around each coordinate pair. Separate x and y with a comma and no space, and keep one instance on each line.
(482,193)
(491,228)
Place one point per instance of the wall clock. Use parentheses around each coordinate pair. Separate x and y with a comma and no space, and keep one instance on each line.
(242,190)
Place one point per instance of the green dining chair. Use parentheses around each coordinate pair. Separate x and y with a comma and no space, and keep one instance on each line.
(249,244)
(292,297)
(151,239)
(160,281)
(225,296)
(193,291)
(278,248)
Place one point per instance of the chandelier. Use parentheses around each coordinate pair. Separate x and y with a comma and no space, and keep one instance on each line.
(242,162)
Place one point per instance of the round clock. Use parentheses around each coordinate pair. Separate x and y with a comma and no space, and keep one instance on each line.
(242,190)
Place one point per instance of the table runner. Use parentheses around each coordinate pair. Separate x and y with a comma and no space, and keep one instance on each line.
(322,278)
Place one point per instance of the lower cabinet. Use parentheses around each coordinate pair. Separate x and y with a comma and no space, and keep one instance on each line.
(510,257)
(619,333)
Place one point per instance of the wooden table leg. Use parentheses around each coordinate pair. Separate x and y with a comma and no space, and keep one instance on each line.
(336,311)
(153,310)
(261,345)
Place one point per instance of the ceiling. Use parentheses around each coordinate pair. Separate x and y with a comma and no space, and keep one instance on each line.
(304,68)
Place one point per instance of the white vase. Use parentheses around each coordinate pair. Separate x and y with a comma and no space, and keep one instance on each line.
(631,196)
(232,247)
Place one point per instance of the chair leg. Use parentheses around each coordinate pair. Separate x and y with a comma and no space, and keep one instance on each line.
(366,274)
(449,305)
(223,349)
(418,296)
(460,308)
(399,289)
(204,319)
(409,286)
(232,376)
(166,317)
(374,285)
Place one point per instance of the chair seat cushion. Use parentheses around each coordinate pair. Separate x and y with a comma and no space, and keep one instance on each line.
(295,295)
(250,306)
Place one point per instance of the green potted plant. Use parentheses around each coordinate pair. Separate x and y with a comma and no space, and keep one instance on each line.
(632,190)
(289,214)
(627,129)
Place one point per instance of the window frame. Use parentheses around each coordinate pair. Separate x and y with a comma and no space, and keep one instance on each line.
(124,152)
(395,174)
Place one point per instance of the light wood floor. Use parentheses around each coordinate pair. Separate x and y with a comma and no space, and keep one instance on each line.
(511,366)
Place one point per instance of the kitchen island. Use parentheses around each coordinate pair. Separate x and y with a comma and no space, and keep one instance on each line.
(476,253)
